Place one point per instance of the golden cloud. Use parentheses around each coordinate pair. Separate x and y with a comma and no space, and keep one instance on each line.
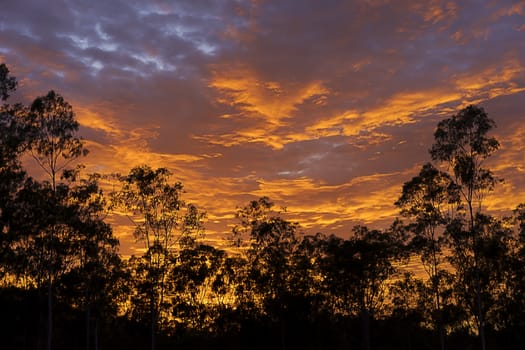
(438,11)
(493,81)
(98,120)
(365,199)
(271,103)
(514,9)
(259,98)
(401,108)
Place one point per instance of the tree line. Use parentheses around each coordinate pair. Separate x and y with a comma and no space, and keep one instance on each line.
(65,286)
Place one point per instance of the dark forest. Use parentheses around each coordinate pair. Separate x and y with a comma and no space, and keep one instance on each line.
(65,286)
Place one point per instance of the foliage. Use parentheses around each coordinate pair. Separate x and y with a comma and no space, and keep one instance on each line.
(8,83)
(65,286)
(161,220)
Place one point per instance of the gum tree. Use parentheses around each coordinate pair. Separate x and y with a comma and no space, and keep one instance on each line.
(273,242)
(13,141)
(462,144)
(162,221)
(427,199)
(54,145)
(356,271)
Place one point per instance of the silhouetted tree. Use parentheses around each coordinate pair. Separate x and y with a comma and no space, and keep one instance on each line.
(491,272)
(511,312)
(53,142)
(91,283)
(162,221)
(194,276)
(461,143)
(357,271)
(54,146)
(272,243)
(426,199)
(13,140)
(8,83)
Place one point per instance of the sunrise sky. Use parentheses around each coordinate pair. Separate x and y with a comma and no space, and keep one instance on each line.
(327,107)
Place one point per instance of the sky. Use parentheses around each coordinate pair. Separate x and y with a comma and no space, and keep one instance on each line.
(327,107)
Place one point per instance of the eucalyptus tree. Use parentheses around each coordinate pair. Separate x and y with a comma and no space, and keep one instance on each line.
(163,222)
(492,276)
(513,311)
(272,243)
(195,277)
(357,271)
(92,281)
(461,143)
(54,145)
(306,278)
(8,83)
(54,228)
(86,264)
(13,141)
(428,199)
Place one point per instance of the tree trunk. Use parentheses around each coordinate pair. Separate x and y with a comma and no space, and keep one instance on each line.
(442,335)
(88,317)
(153,324)
(49,313)
(283,335)
(96,333)
(50,294)
(365,329)
(481,321)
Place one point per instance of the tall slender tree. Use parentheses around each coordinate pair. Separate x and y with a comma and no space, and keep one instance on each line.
(12,143)
(356,272)
(54,142)
(91,281)
(162,221)
(272,244)
(54,145)
(461,142)
(427,200)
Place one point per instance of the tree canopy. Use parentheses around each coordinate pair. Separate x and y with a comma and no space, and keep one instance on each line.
(64,285)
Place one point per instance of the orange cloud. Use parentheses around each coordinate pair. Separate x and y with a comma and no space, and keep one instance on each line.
(514,9)
(401,108)
(97,120)
(259,98)
(438,11)
(493,81)
(271,103)
(366,199)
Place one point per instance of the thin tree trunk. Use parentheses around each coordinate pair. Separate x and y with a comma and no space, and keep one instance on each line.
(365,328)
(435,285)
(50,294)
(49,313)
(41,322)
(283,335)
(442,335)
(481,322)
(88,317)
(440,326)
(96,333)
(153,323)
